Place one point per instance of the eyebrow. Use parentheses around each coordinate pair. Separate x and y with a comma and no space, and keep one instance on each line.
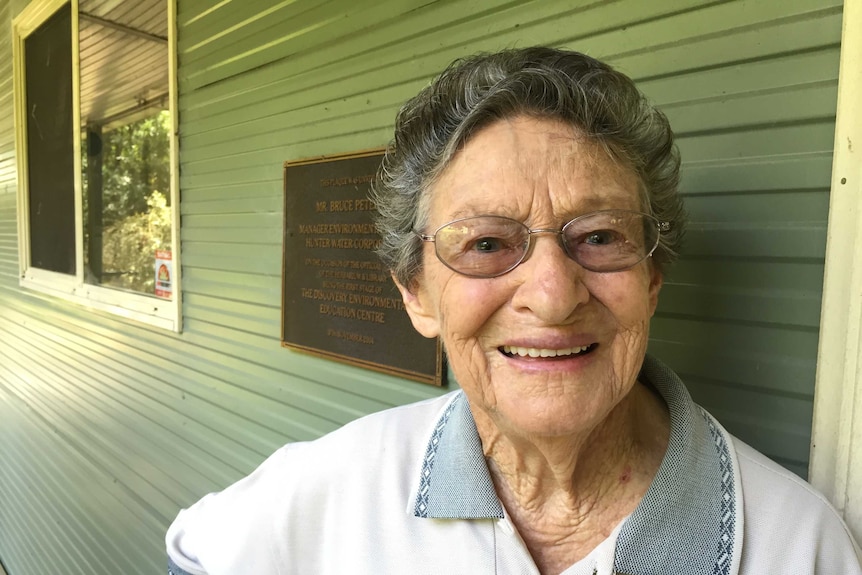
(613,201)
(469,211)
(584,206)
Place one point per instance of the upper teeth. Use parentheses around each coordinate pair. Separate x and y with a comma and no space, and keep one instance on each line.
(537,352)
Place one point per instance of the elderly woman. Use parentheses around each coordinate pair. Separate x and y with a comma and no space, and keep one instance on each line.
(528,208)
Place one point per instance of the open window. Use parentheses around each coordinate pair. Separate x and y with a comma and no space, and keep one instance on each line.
(96,148)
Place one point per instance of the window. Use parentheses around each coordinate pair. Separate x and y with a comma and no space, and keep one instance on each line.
(96,148)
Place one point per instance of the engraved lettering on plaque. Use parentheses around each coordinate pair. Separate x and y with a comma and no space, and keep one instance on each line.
(337,299)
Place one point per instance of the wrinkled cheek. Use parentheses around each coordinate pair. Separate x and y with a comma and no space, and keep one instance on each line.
(461,318)
(468,360)
(464,351)
(629,352)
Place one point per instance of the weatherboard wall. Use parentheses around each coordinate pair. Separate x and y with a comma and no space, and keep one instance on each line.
(108,427)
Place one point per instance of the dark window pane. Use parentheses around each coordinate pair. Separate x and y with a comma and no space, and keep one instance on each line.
(50,154)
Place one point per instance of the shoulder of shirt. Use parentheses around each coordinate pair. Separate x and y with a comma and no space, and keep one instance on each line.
(302,475)
(787,517)
(375,437)
(413,419)
(779,498)
(782,482)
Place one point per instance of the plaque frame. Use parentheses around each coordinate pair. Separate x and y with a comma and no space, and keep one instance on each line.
(293,250)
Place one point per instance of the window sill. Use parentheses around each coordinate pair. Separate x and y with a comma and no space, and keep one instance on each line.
(149,310)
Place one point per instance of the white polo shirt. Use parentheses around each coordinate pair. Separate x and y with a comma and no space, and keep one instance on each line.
(408,491)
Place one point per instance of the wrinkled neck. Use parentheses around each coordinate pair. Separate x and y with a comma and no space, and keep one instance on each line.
(565,494)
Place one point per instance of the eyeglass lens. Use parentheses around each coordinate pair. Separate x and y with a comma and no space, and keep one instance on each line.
(488,246)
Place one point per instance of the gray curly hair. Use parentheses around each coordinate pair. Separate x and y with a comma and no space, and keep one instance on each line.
(603,104)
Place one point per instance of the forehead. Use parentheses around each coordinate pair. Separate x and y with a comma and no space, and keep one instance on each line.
(527,167)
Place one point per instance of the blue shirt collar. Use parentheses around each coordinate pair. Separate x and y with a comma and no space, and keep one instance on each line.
(686,522)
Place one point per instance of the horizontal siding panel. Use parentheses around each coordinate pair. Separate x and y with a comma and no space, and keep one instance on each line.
(142,513)
(791,308)
(421,53)
(41,525)
(740,354)
(726,367)
(748,410)
(8,231)
(810,103)
(233,205)
(232,257)
(360,384)
(392,64)
(765,75)
(745,241)
(777,141)
(230,155)
(188,360)
(62,508)
(8,227)
(724,360)
(306,110)
(8,176)
(794,28)
(804,170)
(236,46)
(8,272)
(248,236)
(497,26)
(796,277)
(267,190)
(8,252)
(274,421)
(241,316)
(236,24)
(761,209)
(7,125)
(62,403)
(7,168)
(258,289)
(234,220)
(240,175)
(137,412)
(342,396)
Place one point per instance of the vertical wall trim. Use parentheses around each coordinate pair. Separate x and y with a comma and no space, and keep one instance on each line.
(836,445)
(176,246)
(76,145)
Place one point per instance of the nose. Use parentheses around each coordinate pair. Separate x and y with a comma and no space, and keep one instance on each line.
(551,284)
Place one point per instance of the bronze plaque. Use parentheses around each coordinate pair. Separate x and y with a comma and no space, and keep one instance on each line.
(337,299)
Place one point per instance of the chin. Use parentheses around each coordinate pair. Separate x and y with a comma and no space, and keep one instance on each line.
(547,416)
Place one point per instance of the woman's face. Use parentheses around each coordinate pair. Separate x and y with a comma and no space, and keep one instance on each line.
(514,342)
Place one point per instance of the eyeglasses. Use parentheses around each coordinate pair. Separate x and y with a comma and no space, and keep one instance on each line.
(490,246)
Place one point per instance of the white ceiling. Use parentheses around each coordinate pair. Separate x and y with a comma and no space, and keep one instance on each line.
(124,58)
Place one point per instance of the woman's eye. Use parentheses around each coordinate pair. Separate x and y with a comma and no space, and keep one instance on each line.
(601,238)
(488,244)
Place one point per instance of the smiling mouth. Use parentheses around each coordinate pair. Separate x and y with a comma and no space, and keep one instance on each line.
(515,351)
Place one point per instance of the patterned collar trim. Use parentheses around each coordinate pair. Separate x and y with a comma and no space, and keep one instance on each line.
(455,482)
(687,523)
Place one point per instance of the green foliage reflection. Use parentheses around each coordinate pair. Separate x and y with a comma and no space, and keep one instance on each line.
(127,202)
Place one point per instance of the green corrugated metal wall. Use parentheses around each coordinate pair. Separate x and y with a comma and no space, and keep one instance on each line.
(108,427)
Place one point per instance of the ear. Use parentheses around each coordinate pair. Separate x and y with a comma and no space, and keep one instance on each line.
(655,282)
(420,309)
